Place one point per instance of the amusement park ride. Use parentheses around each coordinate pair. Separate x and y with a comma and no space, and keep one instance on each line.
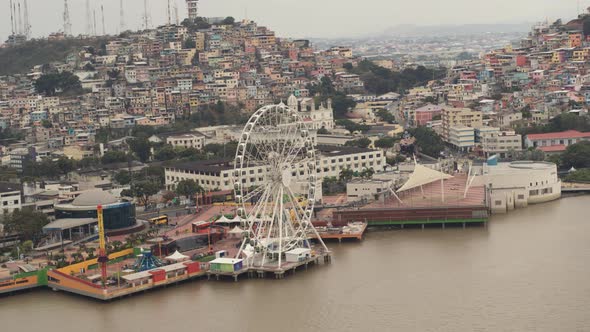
(277,139)
(102,250)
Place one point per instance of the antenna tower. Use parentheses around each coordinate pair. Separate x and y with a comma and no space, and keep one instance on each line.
(11,18)
(27,31)
(146,15)
(168,13)
(88,18)
(94,22)
(67,22)
(20,21)
(104,33)
(121,17)
(176,12)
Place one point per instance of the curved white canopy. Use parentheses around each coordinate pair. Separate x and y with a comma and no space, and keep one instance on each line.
(423,175)
(176,256)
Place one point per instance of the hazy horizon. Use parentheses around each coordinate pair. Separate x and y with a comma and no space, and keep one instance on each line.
(303,18)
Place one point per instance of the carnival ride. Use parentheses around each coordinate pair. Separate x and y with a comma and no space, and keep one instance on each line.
(276,149)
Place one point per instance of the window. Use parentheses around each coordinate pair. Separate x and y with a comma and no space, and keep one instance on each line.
(498,202)
(520,197)
(534,192)
(16,201)
(5,203)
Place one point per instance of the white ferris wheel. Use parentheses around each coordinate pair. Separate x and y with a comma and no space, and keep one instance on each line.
(275,147)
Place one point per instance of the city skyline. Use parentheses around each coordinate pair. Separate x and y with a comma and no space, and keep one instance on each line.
(353,20)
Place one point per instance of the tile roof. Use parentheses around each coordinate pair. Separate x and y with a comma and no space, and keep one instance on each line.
(563,134)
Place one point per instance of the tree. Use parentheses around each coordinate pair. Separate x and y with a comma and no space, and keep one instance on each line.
(342,104)
(428,141)
(65,165)
(386,116)
(28,223)
(577,155)
(46,123)
(189,43)
(228,21)
(346,175)
(123,178)
(141,147)
(188,188)
(110,157)
(385,142)
(361,142)
(581,175)
(66,82)
(144,189)
(352,126)
(367,173)
(323,131)
(168,196)
(164,153)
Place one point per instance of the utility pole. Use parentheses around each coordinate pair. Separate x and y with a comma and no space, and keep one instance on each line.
(176,12)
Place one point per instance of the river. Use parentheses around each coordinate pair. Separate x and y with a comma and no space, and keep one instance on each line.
(527,271)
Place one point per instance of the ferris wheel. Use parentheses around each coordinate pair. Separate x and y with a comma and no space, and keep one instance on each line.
(275,185)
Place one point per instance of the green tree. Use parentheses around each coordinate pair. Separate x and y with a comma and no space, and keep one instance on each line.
(361,142)
(144,189)
(323,131)
(141,148)
(189,43)
(66,82)
(188,188)
(577,155)
(346,175)
(28,223)
(123,178)
(352,126)
(386,116)
(428,141)
(110,157)
(166,152)
(46,123)
(581,175)
(385,142)
(228,21)
(342,104)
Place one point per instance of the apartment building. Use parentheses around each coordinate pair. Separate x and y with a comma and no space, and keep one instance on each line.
(555,142)
(186,141)
(10,197)
(459,117)
(496,142)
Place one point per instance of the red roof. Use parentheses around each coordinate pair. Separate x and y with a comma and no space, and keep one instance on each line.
(552,148)
(563,134)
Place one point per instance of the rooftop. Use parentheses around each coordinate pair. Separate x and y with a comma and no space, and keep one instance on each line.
(563,134)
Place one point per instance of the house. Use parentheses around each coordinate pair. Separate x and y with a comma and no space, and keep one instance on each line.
(555,142)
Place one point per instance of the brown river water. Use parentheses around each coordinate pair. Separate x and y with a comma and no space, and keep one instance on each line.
(527,271)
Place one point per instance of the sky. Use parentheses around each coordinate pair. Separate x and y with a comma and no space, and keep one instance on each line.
(302,18)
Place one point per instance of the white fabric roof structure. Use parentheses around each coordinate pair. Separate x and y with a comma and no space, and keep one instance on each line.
(423,175)
(223,220)
(236,230)
(237,219)
(176,256)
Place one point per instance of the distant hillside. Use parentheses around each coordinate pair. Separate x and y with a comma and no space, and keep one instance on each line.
(465,29)
(20,59)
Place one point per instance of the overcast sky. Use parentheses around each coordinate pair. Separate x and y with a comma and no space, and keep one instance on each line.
(304,18)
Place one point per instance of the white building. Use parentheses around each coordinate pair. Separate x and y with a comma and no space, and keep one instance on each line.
(186,141)
(10,197)
(496,142)
(461,137)
(517,184)
(218,174)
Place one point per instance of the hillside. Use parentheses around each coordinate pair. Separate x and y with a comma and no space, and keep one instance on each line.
(20,59)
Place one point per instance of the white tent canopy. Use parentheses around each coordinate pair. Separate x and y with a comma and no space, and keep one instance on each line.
(423,175)
(223,220)
(178,257)
(236,219)
(236,230)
